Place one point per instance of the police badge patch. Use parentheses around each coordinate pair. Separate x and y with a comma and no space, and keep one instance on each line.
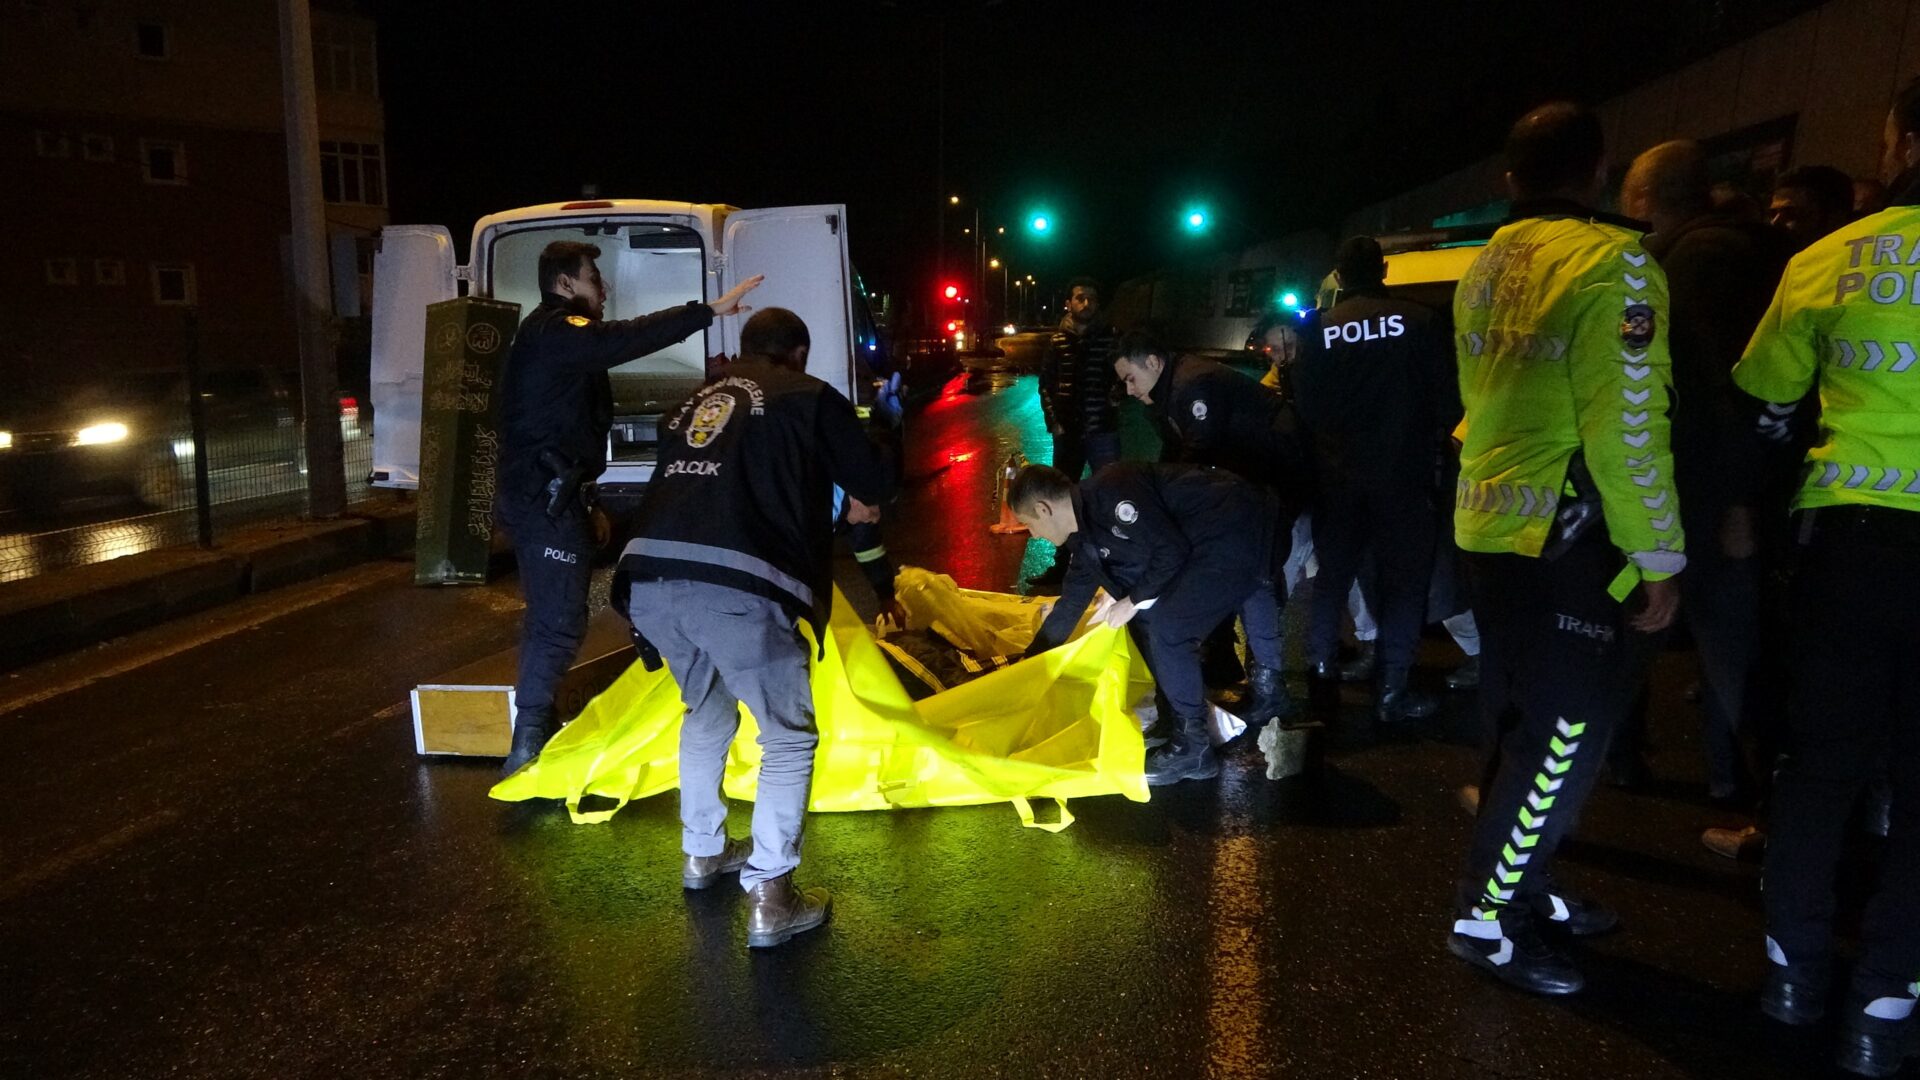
(709,420)
(1636,327)
(1126,512)
(1199,410)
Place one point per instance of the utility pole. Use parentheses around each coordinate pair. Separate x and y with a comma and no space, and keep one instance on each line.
(312,293)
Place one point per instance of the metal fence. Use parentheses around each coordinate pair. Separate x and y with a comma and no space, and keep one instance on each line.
(96,466)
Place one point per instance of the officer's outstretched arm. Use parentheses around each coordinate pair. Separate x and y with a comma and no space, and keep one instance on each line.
(1075,594)
(582,344)
(1620,372)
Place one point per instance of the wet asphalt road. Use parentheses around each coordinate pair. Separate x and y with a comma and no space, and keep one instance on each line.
(223,859)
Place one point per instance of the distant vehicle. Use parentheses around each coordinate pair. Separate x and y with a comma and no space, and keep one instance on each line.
(132,439)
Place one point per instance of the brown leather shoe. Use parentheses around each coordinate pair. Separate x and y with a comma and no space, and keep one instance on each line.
(776,911)
(1747,845)
(703,870)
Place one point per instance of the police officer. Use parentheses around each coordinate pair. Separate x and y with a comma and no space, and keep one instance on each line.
(1178,548)
(1566,510)
(732,549)
(1209,414)
(1843,323)
(556,412)
(1367,385)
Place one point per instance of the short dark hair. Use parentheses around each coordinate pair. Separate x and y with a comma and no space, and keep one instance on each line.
(1360,262)
(1906,107)
(1828,187)
(1136,345)
(1675,177)
(773,333)
(563,257)
(1087,283)
(1556,146)
(1036,483)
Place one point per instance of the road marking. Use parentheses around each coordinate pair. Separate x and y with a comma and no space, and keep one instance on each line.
(1236,1008)
(34,877)
(247,617)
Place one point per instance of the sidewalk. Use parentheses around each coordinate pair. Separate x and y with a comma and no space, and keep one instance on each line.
(77,606)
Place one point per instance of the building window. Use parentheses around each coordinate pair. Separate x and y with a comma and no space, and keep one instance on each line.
(352,173)
(173,284)
(51,144)
(151,40)
(343,59)
(63,271)
(96,147)
(163,161)
(109,272)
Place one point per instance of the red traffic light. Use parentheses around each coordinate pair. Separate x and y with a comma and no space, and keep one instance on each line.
(951,292)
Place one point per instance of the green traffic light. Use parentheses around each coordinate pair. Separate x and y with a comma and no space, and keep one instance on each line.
(1040,223)
(1290,300)
(1196,220)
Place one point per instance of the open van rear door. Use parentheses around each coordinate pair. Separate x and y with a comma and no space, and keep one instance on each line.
(803,252)
(413,267)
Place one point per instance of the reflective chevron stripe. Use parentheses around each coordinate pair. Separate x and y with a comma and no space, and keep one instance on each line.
(1835,474)
(1870,354)
(1562,746)
(1518,500)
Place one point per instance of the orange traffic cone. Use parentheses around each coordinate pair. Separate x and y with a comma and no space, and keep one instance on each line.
(1008,524)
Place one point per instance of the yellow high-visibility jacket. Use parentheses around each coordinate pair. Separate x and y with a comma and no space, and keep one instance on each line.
(1561,329)
(1851,300)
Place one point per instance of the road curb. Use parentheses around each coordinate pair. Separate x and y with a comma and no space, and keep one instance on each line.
(78,606)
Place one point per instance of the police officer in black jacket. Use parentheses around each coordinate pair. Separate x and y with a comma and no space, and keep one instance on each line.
(557,407)
(732,548)
(1178,548)
(1368,385)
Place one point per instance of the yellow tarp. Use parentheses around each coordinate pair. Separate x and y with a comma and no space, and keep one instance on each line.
(1056,726)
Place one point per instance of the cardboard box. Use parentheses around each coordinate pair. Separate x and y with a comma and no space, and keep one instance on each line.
(469,712)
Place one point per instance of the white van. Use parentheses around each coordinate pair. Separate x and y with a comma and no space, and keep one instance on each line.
(654,255)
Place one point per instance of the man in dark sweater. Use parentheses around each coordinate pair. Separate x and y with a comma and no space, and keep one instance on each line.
(1721,272)
(732,549)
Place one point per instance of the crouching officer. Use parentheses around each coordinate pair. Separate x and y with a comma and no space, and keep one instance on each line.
(1209,414)
(732,547)
(1367,384)
(557,408)
(1843,323)
(1179,548)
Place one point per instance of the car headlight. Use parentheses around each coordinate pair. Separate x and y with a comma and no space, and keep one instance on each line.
(100,434)
(6,440)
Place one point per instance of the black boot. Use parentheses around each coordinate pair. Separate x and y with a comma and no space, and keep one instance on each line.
(1511,949)
(531,730)
(1872,1042)
(1794,994)
(1397,704)
(1268,699)
(1187,756)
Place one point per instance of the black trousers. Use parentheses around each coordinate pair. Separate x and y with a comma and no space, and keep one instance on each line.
(1170,632)
(555,557)
(1557,651)
(1076,451)
(1351,522)
(1854,708)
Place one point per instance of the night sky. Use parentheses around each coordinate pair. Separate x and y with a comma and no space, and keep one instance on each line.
(1113,117)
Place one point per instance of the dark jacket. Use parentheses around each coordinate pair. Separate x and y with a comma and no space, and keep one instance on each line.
(556,394)
(1142,527)
(1209,414)
(742,495)
(1078,390)
(1721,274)
(1370,385)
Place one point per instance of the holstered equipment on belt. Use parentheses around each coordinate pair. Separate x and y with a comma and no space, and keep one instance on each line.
(564,487)
(1579,509)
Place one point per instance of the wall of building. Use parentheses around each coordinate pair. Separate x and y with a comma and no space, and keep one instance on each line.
(1829,74)
(79,108)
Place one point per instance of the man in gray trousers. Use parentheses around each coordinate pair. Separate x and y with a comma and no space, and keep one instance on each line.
(732,548)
